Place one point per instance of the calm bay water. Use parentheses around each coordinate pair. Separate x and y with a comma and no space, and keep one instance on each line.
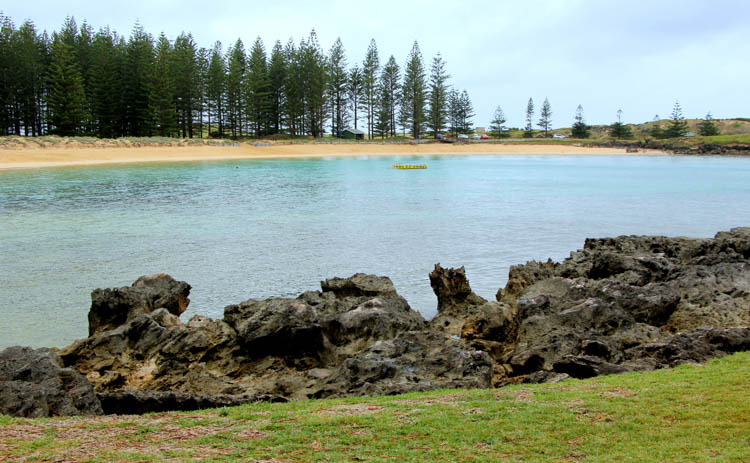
(255,229)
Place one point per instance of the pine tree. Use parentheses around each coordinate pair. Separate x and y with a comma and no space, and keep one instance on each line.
(388,98)
(139,62)
(277,71)
(162,97)
(618,129)
(314,85)
(258,91)
(580,129)
(497,126)
(454,112)
(202,61)
(9,122)
(337,88)
(528,133)
(370,69)
(106,86)
(413,92)
(215,89)
(437,113)
(185,78)
(545,117)
(467,113)
(293,104)
(234,85)
(67,100)
(656,131)
(28,71)
(355,90)
(678,126)
(707,127)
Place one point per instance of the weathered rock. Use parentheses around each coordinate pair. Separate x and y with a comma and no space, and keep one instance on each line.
(33,383)
(285,347)
(140,402)
(613,305)
(111,308)
(619,304)
(413,361)
(359,285)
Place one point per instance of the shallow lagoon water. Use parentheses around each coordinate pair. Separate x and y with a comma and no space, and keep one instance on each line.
(237,230)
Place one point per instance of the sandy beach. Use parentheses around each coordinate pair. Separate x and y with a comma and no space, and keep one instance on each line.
(77,154)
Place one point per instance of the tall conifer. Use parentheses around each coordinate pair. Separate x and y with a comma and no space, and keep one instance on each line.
(414,93)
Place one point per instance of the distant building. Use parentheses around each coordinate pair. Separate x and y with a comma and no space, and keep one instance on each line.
(352,134)
(480,130)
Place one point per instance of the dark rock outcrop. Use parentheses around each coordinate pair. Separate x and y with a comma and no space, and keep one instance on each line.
(111,308)
(33,383)
(293,348)
(489,326)
(629,303)
(413,361)
(619,304)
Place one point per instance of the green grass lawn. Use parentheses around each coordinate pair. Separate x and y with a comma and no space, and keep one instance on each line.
(692,413)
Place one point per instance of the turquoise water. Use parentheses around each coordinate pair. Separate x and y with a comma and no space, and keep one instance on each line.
(255,229)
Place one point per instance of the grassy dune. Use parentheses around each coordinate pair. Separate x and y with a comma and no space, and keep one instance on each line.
(692,413)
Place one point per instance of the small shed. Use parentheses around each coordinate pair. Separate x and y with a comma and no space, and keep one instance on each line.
(352,134)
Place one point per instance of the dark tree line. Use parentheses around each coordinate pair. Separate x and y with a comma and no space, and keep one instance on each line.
(80,82)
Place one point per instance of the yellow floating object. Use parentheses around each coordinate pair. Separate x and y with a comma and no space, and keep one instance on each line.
(409,166)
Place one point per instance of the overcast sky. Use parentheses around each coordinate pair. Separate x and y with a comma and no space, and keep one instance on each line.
(638,56)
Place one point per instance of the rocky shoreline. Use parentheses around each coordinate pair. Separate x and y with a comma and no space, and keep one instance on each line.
(736,149)
(630,303)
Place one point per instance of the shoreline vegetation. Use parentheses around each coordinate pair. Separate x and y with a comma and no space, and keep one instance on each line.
(646,416)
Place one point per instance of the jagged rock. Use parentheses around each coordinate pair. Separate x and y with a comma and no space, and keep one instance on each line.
(619,304)
(285,347)
(140,402)
(488,326)
(33,383)
(359,285)
(111,308)
(414,361)
(615,305)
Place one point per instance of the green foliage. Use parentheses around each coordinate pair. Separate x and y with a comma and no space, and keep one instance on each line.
(370,68)
(580,129)
(234,86)
(388,95)
(137,91)
(528,132)
(461,112)
(215,89)
(257,90)
(437,113)
(313,67)
(707,127)
(678,126)
(497,125)
(620,130)
(545,117)
(67,100)
(414,93)
(355,92)
(338,81)
(162,97)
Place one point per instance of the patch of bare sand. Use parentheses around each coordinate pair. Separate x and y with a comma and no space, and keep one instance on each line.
(80,154)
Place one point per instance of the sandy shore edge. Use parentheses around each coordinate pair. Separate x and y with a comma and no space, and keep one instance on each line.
(30,158)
